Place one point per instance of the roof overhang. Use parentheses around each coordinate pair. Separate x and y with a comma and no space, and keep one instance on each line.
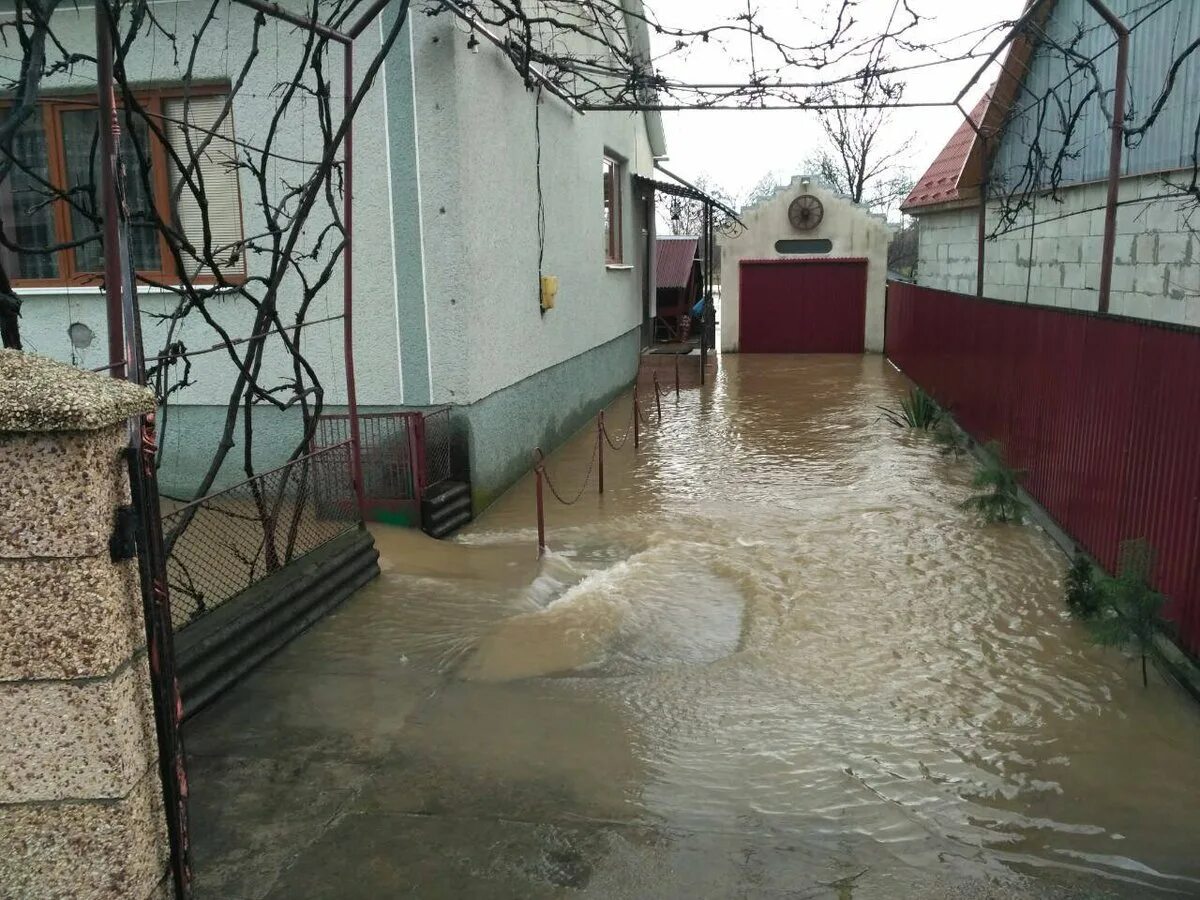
(987,120)
(685,189)
(639,39)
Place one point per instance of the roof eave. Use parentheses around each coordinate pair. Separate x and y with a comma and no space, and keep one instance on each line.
(639,38)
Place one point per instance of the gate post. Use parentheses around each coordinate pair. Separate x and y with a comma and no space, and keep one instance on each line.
(81,800)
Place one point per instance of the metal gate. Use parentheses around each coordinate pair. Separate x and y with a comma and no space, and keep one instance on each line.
(802,305)
(404,456)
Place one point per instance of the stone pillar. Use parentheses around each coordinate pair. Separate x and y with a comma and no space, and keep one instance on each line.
(81,812)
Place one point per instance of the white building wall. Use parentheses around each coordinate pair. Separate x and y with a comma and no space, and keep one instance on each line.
(47,312)
(851,229)
(1052,256)
(478,152)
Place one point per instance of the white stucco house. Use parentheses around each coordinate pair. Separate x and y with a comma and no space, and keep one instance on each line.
(807,274)
(447,252)
(1050,254)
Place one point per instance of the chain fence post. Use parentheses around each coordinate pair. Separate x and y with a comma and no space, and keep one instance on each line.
(600,446)
(541,510)
(637,416)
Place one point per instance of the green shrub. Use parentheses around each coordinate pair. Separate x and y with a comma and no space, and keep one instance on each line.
(999,497)
(1130,613)
(917,410)
(950,440)
(1082,593)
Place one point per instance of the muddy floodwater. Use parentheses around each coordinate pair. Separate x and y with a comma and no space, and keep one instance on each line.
(775,659)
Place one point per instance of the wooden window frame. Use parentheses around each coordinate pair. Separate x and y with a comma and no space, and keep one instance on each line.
(614,249)
(69,275)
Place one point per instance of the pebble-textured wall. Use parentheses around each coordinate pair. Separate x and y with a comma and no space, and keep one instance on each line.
(80,800)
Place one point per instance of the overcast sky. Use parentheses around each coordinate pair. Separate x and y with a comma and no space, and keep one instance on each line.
(736,148)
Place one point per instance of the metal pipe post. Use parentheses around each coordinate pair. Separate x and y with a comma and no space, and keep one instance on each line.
(541,510)
(108,129)
(707,295)
(981,231)
(657,397)
(356,473)
(637,418)
(1114,152)
(676,377)
(600,447)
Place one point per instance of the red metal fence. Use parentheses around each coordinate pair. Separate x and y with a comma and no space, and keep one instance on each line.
(1102,413)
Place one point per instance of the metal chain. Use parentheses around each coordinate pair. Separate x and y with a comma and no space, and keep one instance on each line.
(625,439)
(586,480)
(645,417)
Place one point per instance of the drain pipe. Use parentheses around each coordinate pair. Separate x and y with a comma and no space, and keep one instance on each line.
(1115,146)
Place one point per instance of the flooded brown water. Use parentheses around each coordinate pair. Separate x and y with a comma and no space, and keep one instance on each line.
(776,659)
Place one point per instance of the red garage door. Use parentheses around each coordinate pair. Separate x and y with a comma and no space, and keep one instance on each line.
(802,306)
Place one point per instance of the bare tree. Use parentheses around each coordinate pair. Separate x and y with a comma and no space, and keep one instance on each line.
(903,251)
(764,188)
(855,160)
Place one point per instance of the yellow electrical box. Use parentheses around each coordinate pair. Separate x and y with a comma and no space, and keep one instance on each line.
(549,291)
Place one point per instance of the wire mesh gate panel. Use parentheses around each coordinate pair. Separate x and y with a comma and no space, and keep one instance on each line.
(436,442)
(1103,414)
(224,543)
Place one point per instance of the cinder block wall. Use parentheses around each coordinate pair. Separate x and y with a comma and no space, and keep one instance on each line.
(1051,256)
(80,797)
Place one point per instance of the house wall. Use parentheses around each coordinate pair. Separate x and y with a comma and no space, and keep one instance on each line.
(1052,256)
(850,228)
(194,423)
(514,373)
(1049,106)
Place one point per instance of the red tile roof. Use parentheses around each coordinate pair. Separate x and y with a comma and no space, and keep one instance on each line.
(675,256)
(940,184)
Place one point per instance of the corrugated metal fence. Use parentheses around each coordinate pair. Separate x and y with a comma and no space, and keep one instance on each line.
(1102,413)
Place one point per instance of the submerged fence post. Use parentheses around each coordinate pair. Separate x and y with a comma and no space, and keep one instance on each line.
(541,510)
(600,446)
(637,417)
(676,376)
(657,398)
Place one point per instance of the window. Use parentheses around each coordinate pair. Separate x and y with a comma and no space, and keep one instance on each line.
(612,211)
(58,148)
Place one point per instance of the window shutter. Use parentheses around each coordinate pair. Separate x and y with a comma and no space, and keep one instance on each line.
(215,177)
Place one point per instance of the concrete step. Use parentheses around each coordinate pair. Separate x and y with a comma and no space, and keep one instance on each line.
(446,509)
